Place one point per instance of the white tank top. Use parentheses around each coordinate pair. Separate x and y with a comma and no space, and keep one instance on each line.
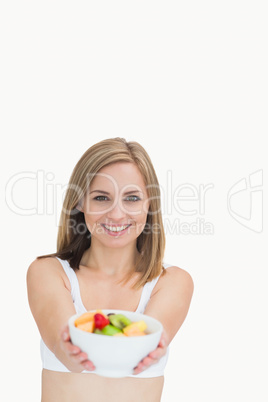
(50,361)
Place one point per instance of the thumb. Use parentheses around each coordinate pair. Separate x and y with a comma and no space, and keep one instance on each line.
(164,339)
(65,335)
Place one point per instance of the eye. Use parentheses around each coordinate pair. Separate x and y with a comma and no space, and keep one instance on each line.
(101,198)
(133,198)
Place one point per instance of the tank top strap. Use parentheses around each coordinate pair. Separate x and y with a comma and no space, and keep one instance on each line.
(147,291)
(75,290)
(166,265)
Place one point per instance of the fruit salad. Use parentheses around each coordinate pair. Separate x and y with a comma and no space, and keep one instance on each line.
(111,324)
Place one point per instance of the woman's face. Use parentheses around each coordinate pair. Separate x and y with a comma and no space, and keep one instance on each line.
(116,205)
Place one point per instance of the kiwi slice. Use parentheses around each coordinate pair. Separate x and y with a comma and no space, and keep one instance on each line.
(110,330)
(119,320)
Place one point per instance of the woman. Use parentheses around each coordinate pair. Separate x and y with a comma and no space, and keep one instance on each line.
(109,255)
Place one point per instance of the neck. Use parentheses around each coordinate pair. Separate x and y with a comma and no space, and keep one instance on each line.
(113,262)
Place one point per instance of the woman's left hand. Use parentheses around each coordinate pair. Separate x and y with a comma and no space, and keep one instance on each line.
(154,356)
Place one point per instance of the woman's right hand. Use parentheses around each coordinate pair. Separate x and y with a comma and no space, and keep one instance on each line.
(78,359)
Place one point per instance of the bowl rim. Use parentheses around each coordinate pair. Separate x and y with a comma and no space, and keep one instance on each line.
(73,318)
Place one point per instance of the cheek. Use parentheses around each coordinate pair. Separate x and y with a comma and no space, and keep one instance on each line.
(146,206)
(91,219)
(90,209)
(141,219)
(144,216)
(145,209)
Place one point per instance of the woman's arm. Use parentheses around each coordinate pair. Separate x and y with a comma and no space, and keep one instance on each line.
(170,300)
(51,305)
(169,303)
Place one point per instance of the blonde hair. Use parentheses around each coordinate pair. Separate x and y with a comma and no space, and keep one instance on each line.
(71,243)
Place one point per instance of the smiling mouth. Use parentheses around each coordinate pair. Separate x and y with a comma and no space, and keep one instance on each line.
(116,229)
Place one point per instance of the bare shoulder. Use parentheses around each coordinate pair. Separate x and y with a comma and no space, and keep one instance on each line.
(45,269)
(43,265)
(175,278)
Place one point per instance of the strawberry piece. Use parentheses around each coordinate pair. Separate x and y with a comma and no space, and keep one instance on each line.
(100,321)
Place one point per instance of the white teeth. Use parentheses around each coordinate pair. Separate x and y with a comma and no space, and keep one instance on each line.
(115,228)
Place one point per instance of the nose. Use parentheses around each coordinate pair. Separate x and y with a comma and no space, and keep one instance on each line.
(116,212)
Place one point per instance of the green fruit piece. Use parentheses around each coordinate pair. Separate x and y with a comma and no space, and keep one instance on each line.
(98,331)
(110,330)
(119,320)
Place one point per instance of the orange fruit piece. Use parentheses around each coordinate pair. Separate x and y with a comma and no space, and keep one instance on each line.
(87,326)
(84,318)
(135,329)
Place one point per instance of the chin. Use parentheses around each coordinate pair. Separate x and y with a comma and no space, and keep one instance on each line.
(117,242)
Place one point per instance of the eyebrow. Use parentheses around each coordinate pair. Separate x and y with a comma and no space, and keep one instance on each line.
(106,193)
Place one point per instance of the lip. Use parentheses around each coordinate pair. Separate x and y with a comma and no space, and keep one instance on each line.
(115,233)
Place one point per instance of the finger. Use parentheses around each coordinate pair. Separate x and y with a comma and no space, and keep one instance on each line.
(162,342)
(140,367)
(67,344)
(164,335)
(81,357)
(152,358)
(158,353)
(65,334)
(161,346)
(148,361)
(88,365)
(143,364)
(69,347)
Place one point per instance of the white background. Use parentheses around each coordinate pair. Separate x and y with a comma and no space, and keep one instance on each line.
(188,80)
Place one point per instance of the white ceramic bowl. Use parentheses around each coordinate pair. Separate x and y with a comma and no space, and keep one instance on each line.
(117,356)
